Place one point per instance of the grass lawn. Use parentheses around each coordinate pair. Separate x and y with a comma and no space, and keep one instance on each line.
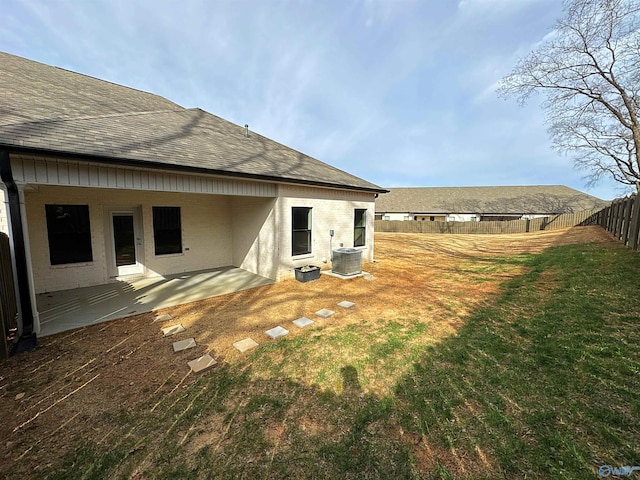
(496,357)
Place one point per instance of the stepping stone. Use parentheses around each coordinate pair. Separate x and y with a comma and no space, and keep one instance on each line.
(277,332)
(303,322)
(201,363)
(172,330)
(246,344)
(184,344)
(162,318)
(325,313)
(346,304)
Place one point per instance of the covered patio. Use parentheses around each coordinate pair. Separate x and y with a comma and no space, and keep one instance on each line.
(68,309)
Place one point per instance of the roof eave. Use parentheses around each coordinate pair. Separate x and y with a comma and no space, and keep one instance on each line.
(128,162)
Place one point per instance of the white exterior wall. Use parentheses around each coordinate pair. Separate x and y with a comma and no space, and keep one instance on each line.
(397,216)
(254,231)
(224,221)
(72,173)
(331,210)
(206,233)
(463,217)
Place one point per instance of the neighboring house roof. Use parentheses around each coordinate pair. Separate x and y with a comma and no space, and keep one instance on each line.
(55,111)
(487,200)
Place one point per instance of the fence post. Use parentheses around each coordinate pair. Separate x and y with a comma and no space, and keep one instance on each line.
(621,212)
(612,216)
(634,223)
(617,218)
(605,220)
(627,217)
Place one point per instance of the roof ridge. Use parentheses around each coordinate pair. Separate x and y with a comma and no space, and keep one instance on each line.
(481,186)
(93,117)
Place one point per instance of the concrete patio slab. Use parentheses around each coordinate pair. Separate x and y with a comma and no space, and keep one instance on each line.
(346,304)
(325,313)
(173,329)
(162,318)
(246,345)
(184,344)
(345,277)
(277,332)
(302,322)
(80,307)
(201,363)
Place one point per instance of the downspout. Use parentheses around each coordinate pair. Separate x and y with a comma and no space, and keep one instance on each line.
(27,340)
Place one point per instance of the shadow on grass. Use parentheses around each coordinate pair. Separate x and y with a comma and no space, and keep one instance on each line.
(544,383)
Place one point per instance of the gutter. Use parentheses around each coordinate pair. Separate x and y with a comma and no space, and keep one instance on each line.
(27,340)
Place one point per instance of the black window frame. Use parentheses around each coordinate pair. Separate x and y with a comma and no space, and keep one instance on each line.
(360,226)
(68,233)
(167,235)
(299,230)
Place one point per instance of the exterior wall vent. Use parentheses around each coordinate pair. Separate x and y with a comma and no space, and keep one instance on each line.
(347,261)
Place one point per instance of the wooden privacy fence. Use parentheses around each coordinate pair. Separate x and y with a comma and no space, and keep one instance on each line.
(552,222)
(8,306)
(622,218)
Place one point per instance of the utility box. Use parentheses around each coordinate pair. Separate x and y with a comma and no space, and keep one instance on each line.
(347,261)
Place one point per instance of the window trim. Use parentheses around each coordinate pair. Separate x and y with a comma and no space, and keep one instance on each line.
(309,230)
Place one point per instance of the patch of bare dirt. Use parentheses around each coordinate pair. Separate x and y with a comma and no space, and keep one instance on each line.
(80,383)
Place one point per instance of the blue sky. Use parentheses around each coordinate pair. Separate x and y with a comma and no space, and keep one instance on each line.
(398,92)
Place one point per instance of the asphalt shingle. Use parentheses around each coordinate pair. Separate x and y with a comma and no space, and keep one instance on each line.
(532,199)
(57,111)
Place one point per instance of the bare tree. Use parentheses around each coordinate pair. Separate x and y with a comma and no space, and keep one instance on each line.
(589,69)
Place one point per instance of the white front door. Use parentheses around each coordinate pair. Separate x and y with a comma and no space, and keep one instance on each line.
(126,243)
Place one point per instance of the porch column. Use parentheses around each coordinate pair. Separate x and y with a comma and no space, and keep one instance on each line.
(21,257)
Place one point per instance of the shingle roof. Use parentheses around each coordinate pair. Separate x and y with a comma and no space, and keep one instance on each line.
(47,109)
(32,91)
(487,200)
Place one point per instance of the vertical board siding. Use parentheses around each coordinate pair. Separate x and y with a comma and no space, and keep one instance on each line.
(71,173)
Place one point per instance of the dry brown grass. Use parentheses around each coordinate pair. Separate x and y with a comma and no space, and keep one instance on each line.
(79,382)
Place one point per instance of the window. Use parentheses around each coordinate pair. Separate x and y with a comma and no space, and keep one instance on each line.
(167,230)
(301,230)
(69,233)
(359,227)
(386,217)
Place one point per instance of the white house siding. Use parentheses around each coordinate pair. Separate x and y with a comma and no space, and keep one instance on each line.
(254,233)
(331,210)
(206,233)
(224,221)
(463,217)
(47,171)
(397,216)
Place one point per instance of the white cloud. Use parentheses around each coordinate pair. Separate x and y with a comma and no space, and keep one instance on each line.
(397,92)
